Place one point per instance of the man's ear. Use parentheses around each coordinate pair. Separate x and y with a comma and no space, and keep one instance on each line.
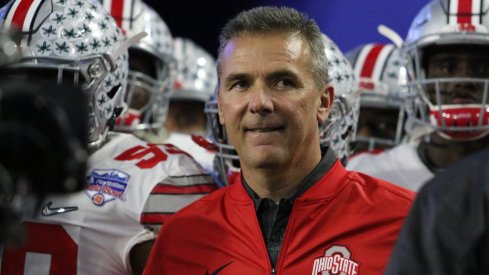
(326,98)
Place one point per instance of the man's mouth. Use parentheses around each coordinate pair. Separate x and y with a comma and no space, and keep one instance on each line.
(264,129)
(463,98)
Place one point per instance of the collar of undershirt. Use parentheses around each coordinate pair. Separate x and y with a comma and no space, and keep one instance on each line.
(326,162)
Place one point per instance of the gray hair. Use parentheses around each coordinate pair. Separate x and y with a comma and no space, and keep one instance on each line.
(278,20)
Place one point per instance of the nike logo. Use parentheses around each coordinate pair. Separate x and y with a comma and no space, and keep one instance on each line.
(217,270)
(47,210)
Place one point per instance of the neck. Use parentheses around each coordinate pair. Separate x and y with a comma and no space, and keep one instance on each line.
(441,152)
(276,183)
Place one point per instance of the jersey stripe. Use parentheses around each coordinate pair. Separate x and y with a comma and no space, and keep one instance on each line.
(155,218)
(163,203)
(163,188)
(188,180)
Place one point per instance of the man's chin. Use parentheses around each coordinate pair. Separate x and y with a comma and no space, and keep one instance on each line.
(264,160)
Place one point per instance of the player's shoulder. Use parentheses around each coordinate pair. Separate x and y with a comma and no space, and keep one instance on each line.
(209,204)
(381,190)
(367,161)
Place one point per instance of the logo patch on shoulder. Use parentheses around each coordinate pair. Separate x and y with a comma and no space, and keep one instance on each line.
(105,185)
(336,260)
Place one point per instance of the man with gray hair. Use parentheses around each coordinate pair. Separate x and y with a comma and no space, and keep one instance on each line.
(295,209)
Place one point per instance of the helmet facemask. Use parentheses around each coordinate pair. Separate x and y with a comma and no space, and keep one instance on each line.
(147,96)
(452,104)
(226,161)
(451,90)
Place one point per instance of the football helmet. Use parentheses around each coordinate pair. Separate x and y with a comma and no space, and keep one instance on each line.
(439,24)
(151,65)
(76,41)
(226,161)
(377,68)
(9,52)
(196,72)
(340,126)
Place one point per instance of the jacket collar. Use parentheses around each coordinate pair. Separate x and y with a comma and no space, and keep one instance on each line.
(243,192)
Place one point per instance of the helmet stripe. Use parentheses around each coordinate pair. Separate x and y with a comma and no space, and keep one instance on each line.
(464,12)
(116,10)
(476,10)
(20,14)
(371,61)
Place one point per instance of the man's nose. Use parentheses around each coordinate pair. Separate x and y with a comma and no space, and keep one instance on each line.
(260,101)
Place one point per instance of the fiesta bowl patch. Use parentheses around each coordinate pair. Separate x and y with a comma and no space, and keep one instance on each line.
(105,185)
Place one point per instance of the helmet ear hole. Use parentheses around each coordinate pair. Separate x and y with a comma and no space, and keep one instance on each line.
(113,91)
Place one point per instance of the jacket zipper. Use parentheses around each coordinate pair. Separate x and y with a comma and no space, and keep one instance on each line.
(287,229)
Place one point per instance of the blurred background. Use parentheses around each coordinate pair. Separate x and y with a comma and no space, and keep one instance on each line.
(348,22)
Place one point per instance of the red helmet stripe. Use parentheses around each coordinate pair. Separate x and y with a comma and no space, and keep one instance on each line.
(370,61)
(20,13)
(117,11)
(464,12)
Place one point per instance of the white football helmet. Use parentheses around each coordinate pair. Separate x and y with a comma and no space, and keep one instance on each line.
(226,161)
(377,68)
(151,65)
(340,126)
(76,41)
(9,52)
(196,72)
(443,23)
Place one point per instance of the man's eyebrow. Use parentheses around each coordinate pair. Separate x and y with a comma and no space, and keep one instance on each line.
(235,76)
(282,74)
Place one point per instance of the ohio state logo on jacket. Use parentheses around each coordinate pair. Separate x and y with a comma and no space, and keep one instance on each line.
(336,260)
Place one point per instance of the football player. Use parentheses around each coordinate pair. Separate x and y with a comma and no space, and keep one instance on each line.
(380,125)
(447,68)
(195,82)
(132,186)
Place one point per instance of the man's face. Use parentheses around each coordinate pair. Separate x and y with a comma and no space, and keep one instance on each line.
(268,100)
(458,61)
(378,123)
(143,63)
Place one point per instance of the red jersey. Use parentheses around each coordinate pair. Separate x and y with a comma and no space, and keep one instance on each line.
(345,223)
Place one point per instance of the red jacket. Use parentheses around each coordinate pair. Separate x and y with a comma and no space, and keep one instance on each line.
(346,222)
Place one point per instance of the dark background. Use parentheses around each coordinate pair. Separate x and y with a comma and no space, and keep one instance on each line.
(348,22)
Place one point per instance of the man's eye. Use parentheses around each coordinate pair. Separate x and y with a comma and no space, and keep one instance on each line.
(239,85)
(483,69)
(284,83)
(446,67)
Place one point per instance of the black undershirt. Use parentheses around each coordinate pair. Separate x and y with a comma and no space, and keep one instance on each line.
(273,217)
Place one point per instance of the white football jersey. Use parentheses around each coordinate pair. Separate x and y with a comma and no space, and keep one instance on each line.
(203,156)
(132,188)
(400,165)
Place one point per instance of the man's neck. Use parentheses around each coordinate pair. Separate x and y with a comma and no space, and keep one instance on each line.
(276,183)
(440,152)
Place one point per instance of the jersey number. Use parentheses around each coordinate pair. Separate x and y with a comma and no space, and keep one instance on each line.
(50,239)
(156,155)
